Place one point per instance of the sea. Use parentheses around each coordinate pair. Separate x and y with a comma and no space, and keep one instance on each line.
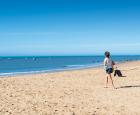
(15,65)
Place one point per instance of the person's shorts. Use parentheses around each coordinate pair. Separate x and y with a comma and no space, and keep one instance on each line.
(109,71)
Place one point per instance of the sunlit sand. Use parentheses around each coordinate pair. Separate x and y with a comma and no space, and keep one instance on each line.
(77,92)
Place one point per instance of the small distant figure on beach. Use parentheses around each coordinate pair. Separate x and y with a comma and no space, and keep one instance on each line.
(108,66)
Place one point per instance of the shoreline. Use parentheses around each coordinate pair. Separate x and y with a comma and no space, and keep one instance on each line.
(51,71)
(24,66)
(97,65)
(61,70)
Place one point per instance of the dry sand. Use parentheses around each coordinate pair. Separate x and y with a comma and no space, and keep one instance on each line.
(77,92)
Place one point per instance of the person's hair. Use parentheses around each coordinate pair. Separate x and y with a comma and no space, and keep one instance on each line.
(107,54)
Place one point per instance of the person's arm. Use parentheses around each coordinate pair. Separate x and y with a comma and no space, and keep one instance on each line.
(105,62)
(113,63)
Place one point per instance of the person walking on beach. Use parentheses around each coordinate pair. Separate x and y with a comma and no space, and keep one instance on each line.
(108,65)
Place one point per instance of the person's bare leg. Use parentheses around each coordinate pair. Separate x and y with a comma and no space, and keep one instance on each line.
(106,81)
(112,81)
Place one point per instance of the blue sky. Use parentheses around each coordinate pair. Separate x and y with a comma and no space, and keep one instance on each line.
(69,27)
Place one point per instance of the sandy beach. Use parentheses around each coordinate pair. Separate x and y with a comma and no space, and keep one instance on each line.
(76,92)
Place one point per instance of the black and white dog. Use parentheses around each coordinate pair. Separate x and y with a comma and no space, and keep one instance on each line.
(117,72)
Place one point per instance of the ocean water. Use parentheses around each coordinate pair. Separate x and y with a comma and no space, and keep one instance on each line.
(38,64)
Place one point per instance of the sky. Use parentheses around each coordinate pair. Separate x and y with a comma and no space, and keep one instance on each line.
(69,27)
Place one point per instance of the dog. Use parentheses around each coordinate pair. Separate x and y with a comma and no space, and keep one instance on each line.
(117,72)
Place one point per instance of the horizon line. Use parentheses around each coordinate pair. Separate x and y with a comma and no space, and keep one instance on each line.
(66,55)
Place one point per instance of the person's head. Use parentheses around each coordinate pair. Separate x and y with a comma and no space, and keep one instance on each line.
(107,54)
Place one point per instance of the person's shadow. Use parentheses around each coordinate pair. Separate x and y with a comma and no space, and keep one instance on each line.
(118,73)
(130,86)
(120,76)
